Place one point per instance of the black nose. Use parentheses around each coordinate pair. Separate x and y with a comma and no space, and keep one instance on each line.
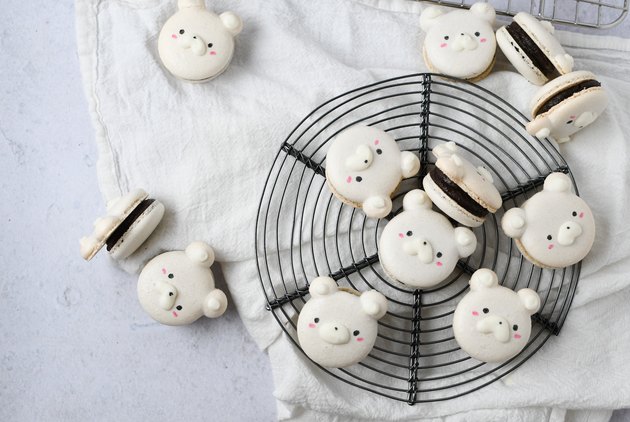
(335,328)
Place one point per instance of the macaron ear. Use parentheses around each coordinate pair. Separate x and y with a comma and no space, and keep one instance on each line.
(374,304)
(232,22)
(548,26)
(445,150)
(513,223)
(484,11)
(200,253)
(416,200)
(540,127)
(565,62)
(530,300)
(323,286)
(429,17)
(485,174)
(215,304)
(466,241)
(483,279)
(185,4)
(557,182)
(409,164)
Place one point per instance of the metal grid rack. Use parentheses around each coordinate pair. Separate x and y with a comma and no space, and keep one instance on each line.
(600,14)
(302,231)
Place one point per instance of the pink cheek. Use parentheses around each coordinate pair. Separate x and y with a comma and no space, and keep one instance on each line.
(581,215)
(349,179)
(163,270)
(173,36)
(439,263)
(572,117)
(443,45)
(360,339)
(311,325)
(483,40)
(550,247)
(175,314)
(475,313)
(401,235)
(517,336)
(376,142)
(213,53)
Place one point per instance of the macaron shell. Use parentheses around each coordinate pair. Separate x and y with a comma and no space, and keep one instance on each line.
(557,85)
(139,231)
(519,60)
(449,206)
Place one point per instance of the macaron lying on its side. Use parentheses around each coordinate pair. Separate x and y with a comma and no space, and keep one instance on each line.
(529,44)
(566,105)
(130,220)
(462,191)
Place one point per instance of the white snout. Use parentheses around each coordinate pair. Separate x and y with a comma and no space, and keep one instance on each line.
(167,295)
(464,42)
(196,44)
(420,247)
(361,159)
(568,232)
(334,333)
(494,324)
(585,119)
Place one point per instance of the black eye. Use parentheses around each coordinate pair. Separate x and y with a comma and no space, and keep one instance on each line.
(574,214)
(446,37)
(181,31)
(515,327)
(359,178)
(171,275)
(477,34)
(569,122)
(178,307)
(316,320)
(439,255)
(210,45)
(170,293)
(409,233)
(366,161)
(356,332)
(195,37)
(379,151)
(549,237)
(486,310)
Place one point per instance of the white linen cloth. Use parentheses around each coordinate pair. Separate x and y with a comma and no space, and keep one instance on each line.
(205,149)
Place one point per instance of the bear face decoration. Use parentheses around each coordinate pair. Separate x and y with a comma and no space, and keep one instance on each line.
(460,43)
(177,287)
(554,228)
(197,45)
(493,323)
(419,247)
(364,166)
(337,327)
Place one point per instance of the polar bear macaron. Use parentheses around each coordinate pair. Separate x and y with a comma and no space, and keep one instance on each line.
(460,43)
(364,167)
(197,45)
(420,247)
(337,327)
(493,323)
(177,287)
(566,105)
(554,228)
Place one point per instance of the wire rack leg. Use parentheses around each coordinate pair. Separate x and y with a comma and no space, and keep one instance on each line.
(414,357)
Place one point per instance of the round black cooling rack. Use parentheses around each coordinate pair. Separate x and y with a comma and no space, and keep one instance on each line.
(303,231)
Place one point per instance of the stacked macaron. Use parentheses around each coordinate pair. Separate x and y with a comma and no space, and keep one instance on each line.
(569,100)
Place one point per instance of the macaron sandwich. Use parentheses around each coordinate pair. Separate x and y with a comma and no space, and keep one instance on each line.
(130,220)
(462,191)
(529,44)
(566,105)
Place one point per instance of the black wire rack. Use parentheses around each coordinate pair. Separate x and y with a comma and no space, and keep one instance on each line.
(303,231)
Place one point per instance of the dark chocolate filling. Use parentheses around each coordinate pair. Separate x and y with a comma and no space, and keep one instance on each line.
(566,93)
(531,49)
(127,222)
(457,194)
